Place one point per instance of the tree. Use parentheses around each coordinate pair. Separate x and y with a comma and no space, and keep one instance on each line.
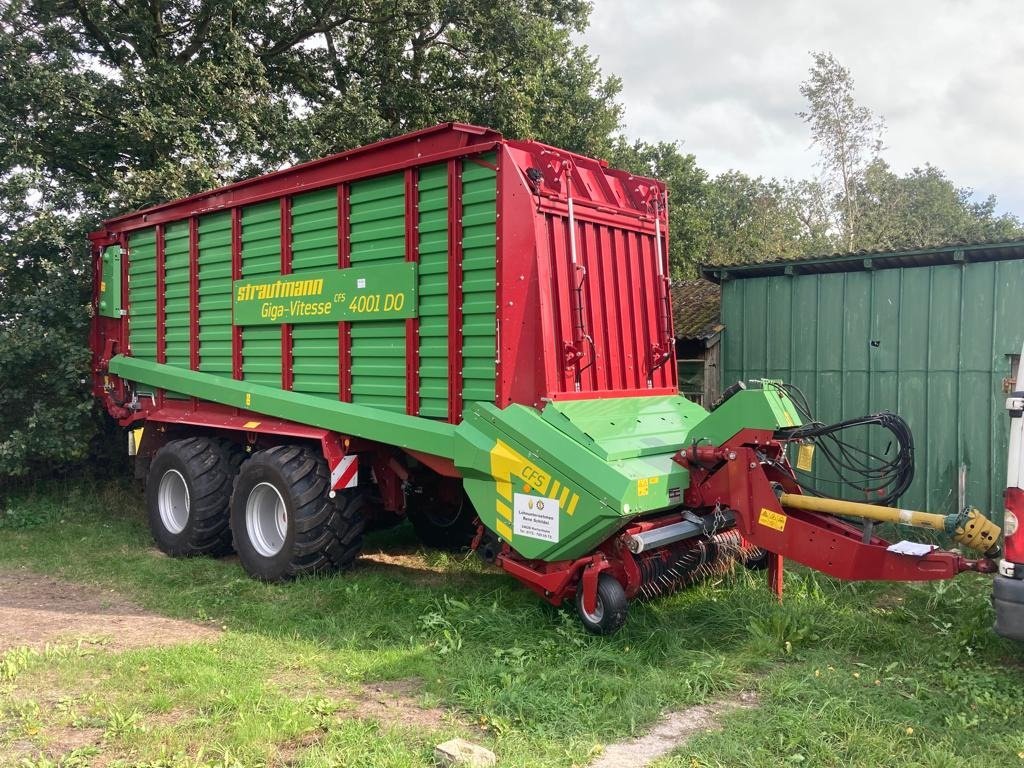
(687,183)
(752,219)
(924,207)
(110,105)
(848,136)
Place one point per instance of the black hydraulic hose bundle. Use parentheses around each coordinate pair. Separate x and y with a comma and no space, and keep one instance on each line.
(882,478)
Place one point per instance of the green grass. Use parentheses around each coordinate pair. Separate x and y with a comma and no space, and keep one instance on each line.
(851,675)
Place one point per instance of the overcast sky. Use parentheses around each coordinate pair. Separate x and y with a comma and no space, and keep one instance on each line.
(723,79)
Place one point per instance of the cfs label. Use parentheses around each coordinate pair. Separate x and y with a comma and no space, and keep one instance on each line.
(535,517)
(534,477)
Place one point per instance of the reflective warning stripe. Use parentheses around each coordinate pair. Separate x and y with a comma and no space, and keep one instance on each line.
(345,473)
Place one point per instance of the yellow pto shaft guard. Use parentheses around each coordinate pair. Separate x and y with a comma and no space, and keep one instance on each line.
(969,527)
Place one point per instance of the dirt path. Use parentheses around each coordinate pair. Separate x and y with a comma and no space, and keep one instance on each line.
(670,733)
(38,610)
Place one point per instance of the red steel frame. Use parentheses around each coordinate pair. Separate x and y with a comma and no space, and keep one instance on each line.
(412,324)
(236,274)
(344,329)
(287,356)
(455,290)
(193,288)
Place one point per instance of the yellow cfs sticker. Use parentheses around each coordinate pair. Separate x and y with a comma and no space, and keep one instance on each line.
(771,519)
(805,457)
(643,485)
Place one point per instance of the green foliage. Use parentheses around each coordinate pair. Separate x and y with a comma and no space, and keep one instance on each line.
(106,106)
(847,134)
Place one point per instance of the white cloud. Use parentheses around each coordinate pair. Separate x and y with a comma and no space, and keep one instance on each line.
(723,78)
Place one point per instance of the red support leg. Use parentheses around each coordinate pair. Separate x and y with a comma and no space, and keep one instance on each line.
(775,566)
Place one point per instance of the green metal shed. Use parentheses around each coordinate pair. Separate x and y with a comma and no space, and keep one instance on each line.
(931,334)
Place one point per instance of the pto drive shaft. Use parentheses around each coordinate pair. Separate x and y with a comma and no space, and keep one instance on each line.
(969,527)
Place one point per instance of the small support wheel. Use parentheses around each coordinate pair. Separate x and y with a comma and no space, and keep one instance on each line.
(757,560)
(610,612)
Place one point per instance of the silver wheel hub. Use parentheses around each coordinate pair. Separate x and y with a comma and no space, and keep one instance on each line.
(266,519)
(172,501)
(598,612)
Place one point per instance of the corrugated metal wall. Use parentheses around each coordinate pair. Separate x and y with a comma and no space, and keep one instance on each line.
(315,249)
(930,343)
(215,293)
(377,221)
(433,290)
(479,304)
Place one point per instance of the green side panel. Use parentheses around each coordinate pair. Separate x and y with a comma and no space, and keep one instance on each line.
(397,429)
(932,343)
(142,294)
(479,261)
(314,249)
(261,255)
(377,236)
(176,291)
(433,291)
(589,466)
(109,304)
(619,428)
(215,328)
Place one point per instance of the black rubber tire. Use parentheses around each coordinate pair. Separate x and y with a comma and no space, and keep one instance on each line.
(612,607)
(323,535)
(440,524)
(235,453)
(205,467)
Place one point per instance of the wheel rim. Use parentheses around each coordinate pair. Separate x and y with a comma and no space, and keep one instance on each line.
(173,501)
(597,615)
(266,519)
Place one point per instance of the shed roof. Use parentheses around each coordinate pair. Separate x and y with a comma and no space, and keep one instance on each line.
(696,306)
(948,253)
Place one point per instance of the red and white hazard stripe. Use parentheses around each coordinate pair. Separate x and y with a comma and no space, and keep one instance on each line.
(345,474)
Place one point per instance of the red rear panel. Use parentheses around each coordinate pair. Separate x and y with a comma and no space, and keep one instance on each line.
(598,325)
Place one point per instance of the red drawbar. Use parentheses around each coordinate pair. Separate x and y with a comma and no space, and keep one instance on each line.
(1014,543)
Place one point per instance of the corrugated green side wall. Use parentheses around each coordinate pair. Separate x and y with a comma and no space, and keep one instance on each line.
(479,276)
(377,226)
(215,293)
(314,249)
(176,289)
(433,290)
(930,343)
(142,294)
(261,255)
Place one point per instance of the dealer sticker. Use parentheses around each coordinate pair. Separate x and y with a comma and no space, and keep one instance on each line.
(535,517)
